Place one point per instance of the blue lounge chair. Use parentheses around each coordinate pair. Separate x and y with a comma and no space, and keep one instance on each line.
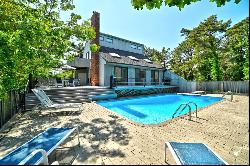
(36,150)
(193,154)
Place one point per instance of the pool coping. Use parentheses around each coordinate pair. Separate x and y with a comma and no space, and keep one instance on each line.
(164,122)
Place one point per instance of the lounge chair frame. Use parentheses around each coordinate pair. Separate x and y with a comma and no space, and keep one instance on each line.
(46,102)
(176,158)
(44,158)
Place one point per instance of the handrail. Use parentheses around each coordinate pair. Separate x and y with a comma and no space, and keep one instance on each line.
(196,107)
(228,93)
(179,108)
(189,107)
(44,159)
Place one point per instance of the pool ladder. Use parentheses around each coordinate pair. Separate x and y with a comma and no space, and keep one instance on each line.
(185,106)
(228,93)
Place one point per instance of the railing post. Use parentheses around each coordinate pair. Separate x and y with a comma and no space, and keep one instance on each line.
(231,96)
(189,112)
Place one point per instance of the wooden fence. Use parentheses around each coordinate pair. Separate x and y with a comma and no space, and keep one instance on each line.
(209,86)
(217,86)
(13,104)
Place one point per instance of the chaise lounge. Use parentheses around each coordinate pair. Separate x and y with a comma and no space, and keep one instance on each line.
(46,102)
(37,150)
(193,154)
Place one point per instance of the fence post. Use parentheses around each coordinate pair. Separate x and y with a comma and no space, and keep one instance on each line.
(1,113)
(11,111)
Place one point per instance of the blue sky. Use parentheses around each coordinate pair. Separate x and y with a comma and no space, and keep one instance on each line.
(155,28)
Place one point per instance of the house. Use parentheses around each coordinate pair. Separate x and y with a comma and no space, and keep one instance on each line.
(121,58)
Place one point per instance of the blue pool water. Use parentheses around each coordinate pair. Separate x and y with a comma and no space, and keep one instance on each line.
(155,109)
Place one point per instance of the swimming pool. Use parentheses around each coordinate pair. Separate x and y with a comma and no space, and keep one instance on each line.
(155,109)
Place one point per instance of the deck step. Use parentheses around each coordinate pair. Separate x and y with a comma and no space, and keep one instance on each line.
(71,95)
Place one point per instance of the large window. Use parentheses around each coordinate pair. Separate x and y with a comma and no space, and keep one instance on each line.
(133,46)
(140,76)
(101,38)
(121,74)
(154,77)
(109,40)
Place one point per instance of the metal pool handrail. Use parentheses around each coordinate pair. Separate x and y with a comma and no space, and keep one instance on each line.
(191,102)
(189,107)
(179,108)
(228,93)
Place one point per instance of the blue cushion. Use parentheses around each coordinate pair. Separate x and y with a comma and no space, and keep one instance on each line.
(195,154)
(48,141)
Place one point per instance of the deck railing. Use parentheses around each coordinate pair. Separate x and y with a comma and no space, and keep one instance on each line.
(118,81)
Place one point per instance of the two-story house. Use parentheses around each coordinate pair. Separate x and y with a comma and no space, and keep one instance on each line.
(123,59)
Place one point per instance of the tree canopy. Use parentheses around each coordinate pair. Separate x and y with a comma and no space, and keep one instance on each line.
(159,57)
(214,50)
(151,4)
(33,39)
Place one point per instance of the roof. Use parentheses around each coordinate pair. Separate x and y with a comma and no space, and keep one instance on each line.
(115,37)
(124,58)
(121,52)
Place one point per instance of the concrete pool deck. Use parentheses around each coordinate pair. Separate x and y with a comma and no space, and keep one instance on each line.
(107,138)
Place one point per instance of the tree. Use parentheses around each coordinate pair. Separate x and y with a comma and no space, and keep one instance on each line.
(153,54)
(207,39)
(157,56)
(213,51)
(237,44)
(33,39)
(182,62)
(151,4)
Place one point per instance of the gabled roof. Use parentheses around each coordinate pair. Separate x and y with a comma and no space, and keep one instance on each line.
(124,59)
(121,52)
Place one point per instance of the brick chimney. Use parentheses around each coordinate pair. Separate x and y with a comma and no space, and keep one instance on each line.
(95,22)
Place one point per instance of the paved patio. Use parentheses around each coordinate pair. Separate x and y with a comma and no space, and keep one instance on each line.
(107,138)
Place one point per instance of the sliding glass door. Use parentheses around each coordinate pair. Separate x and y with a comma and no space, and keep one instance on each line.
(154,77)
(121,74)
(140,76)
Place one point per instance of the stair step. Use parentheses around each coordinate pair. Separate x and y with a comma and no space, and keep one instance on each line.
(70,95)
(98,93)
(70,101)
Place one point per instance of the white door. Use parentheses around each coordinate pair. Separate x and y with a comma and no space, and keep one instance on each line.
(83,78)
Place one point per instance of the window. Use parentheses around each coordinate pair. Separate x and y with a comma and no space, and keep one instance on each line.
(115,55)
(139,48)
(147,60)
(133,58)
(133,46)
(87,55)
(154,77)
(109,40)
(101,38)
(121,74)
(140,76)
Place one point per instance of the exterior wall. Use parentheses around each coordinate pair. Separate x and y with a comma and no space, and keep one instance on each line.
(80,62)
(176,80)
(148,77)
(160,77)
(86,50)
(109,70)
(131,75)
(120,44)
(102,71)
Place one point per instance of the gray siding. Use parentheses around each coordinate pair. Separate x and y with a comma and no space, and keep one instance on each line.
(121,44)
